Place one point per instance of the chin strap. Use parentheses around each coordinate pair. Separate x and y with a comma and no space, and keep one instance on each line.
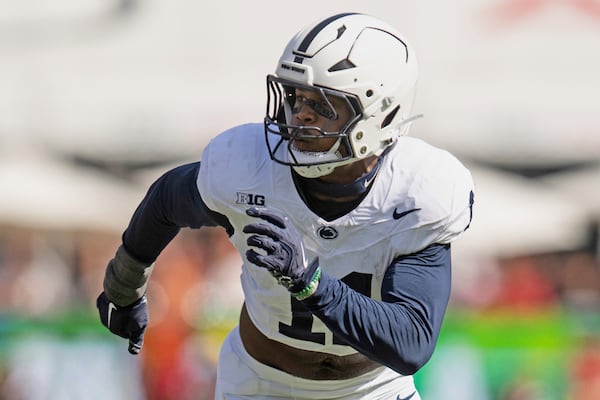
(313,157)
(317,171)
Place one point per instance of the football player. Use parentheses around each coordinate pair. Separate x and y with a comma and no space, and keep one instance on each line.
(344,224)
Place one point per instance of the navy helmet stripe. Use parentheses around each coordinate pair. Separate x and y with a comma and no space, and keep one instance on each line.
(311,35)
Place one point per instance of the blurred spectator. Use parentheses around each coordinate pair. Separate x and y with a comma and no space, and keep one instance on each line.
(579,281)
(92,252)
(35,277)
(522,389)
(585,370)
(476,284)
(525,287)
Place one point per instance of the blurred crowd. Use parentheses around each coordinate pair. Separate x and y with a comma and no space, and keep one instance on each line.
(194,294)
(195,298)
(531,283)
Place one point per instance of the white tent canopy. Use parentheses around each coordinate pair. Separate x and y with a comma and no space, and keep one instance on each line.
(166,76)
(581,186)
(43,193)
(514,216)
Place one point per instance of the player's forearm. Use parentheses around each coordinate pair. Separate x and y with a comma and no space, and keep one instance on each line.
(399,332)
(387,333)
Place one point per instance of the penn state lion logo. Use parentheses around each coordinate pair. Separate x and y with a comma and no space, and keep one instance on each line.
(327,232)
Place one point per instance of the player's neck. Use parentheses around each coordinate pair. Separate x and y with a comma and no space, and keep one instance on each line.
(353,182)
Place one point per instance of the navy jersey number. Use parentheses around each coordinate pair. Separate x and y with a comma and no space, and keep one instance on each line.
(302,319)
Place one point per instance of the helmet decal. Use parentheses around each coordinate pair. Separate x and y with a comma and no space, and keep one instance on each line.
(303,47)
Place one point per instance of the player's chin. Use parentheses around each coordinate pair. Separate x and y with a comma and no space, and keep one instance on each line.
(305,146)
(311,145)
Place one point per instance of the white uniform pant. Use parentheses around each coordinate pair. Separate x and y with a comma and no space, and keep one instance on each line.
(239,377)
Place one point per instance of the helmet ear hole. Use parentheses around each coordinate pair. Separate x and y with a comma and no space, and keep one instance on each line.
(390,117)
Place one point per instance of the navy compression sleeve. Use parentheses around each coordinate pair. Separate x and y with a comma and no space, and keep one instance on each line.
(400,331)
(172,202)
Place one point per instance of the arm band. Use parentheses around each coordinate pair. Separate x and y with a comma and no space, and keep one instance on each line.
(126,278)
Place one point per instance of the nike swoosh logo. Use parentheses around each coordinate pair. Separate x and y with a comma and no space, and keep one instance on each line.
(406,398)
(111,307)
(398,215)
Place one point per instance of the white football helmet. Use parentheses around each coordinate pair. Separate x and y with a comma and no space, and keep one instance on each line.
(353,57)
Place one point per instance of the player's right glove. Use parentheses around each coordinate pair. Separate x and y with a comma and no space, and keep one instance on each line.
(284,253)
(128,322)
(122,304)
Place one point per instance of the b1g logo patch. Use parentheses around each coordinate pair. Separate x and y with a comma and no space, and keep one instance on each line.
(250,199)
(327,232)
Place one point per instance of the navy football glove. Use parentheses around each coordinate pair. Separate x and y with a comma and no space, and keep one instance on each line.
(128,322)
(283,253)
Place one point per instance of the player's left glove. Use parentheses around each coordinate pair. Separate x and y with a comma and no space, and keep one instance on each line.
(283,253)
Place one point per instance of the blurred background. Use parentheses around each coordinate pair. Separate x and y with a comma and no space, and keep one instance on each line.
(99,98)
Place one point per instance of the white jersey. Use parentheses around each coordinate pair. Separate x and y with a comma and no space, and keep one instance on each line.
(421,195)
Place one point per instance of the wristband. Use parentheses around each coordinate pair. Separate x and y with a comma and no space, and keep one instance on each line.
(311,288)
